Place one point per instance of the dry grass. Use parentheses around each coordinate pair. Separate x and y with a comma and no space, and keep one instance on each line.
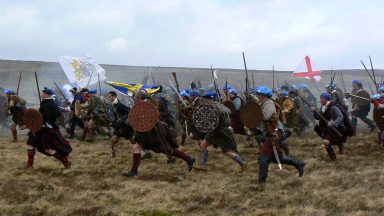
(353,185)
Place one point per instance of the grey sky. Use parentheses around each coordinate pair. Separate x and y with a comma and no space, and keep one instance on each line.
(196,33)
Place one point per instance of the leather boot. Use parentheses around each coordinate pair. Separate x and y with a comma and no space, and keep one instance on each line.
(263,169)
(299,165)
(331,153)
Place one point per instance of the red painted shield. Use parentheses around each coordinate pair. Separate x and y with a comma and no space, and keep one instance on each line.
(33,120)
(143,116)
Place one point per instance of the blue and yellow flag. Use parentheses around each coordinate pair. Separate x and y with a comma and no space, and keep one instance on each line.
(130,88)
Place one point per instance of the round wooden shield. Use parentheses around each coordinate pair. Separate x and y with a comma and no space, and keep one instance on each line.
(230,105)
(143,116)
(33,119)
(80,112)
(378,117)
(205,118)
(251,114)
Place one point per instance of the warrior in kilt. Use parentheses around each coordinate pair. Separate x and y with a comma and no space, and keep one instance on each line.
(221,136)
(184,105)
(77,96)
(101,115)
(360,107)
(336,121)
(290,112)
(48,140)
(378,112)
(121,126)
(273,137)
(160,139)
(236,124)
(16,108)
(196,101)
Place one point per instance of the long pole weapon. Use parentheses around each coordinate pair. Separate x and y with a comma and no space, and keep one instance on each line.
(366,70)
(273,77)
(38,88)
(214,83)
(246,74)
(98,79)
(373,73)
(62,94)
(18,84)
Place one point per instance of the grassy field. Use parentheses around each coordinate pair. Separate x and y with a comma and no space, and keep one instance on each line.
(352,185)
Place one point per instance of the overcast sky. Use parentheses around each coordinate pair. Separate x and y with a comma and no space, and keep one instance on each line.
(196,33)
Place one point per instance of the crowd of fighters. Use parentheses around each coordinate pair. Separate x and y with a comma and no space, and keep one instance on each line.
(288,110)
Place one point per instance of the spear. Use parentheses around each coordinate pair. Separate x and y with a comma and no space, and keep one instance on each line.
(373,73)
(273,77)
(214,83)
(369,85)
(62,94)
(18,84)
(246,73)
(38,88)
(253,80)
(369,74)
(98,79)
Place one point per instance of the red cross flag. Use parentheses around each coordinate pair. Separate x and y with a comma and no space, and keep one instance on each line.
(305,70)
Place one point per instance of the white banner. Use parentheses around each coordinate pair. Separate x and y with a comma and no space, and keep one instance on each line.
(83,71)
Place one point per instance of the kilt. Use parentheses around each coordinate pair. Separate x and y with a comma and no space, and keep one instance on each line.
(222,137)
(49,138)
(150,141)
(123,130)
(329,134)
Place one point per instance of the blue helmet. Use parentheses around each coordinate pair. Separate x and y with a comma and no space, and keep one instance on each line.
(210,95)
(92,91)
(376,97)
(9,91)
(194,92)
(381,89)
(233,91)
(325,96)
(264,91)
(356,82)
(284,94)
(227,87)
(48,91)
(184,93)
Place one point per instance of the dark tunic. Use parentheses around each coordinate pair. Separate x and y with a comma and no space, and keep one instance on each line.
(332,112)
(122,127)
(49,136)
(236,124)
(222,137)
(17,108)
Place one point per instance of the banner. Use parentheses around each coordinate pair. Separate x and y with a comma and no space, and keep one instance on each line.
(83,71)
(128,88)
(305,70)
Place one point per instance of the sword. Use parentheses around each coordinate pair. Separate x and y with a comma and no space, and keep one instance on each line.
(276,154)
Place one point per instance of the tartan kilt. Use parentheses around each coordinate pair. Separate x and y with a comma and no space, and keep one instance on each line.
(49,138)
(150,141)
